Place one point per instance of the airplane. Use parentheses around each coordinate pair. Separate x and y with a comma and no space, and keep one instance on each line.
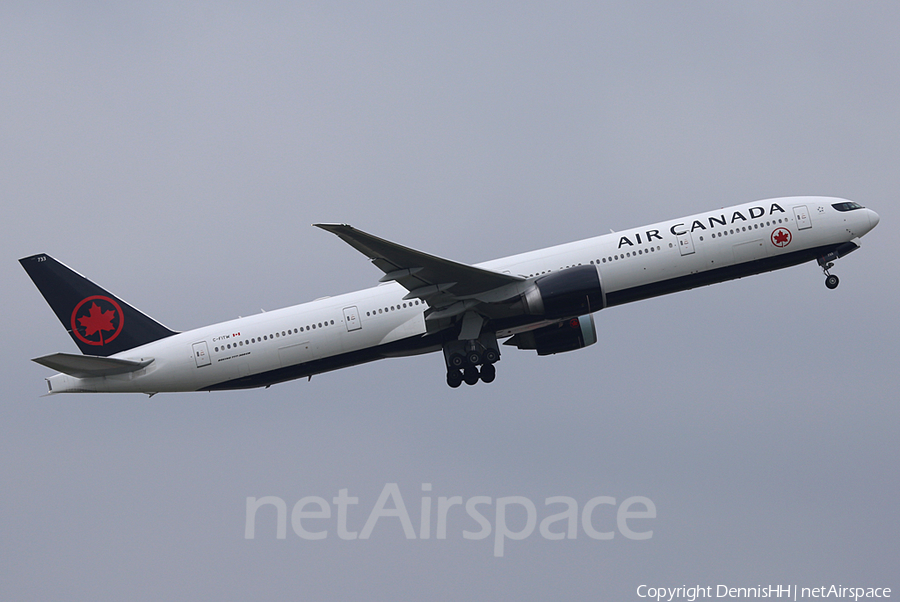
(543,300)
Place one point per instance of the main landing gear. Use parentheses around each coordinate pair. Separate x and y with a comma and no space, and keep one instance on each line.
(472,360)
(831,281)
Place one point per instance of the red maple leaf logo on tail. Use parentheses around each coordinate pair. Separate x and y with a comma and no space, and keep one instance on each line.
(97,320)
(104,315)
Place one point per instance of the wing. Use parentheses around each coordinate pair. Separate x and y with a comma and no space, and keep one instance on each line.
(446,285)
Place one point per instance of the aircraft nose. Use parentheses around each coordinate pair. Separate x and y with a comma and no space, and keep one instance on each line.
(873,219)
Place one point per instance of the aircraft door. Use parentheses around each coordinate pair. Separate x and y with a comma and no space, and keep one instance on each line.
(801,214)
(685,243)
(201,354)
(351,318)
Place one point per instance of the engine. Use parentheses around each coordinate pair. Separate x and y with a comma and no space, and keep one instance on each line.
(572,292)
(574,333)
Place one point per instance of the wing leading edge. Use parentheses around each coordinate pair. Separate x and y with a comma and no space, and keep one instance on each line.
(442,283)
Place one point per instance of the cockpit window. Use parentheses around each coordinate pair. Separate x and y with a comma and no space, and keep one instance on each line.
(847,206)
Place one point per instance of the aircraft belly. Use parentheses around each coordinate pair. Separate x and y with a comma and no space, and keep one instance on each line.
(414,326)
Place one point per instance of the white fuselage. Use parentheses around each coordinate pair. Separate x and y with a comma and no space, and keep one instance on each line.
(376,322)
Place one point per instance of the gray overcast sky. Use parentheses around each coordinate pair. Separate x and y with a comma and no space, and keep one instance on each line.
(177,154)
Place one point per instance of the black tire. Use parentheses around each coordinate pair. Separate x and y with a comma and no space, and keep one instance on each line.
(454,378)
(491,356)
(832,281)
(470,375)
(474,358)
(488,373)
(457,361)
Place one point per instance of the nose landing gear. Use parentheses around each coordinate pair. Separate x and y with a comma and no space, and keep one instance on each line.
(831,281)
(826,261)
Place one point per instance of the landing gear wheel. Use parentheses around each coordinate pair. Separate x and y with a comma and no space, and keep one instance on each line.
(832,281)
(488,373)
(473,357)
(454,378)
(491,356)
(457,361)
(470,375)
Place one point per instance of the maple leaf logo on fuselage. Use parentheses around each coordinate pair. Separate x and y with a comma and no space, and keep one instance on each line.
(92,323)
(781,237)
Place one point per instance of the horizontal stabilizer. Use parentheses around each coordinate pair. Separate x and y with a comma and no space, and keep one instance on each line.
(86,366)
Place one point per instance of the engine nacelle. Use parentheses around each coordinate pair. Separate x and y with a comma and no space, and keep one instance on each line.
(568,335)
(572,292)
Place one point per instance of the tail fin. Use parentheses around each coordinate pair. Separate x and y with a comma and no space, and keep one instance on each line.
(100,323)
